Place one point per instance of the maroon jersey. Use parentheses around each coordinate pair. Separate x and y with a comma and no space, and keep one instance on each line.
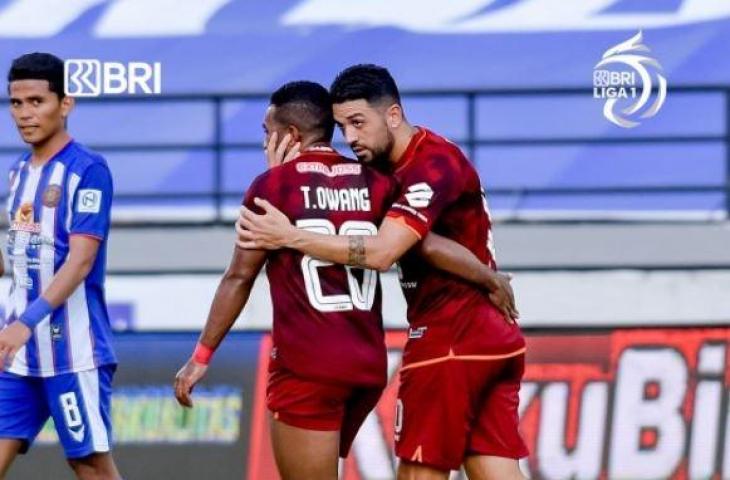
(327,317)
(441,191)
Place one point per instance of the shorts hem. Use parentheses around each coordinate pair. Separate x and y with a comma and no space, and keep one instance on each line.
(56,373)
(74,454)
(498,453)
(307,422)
(435,464)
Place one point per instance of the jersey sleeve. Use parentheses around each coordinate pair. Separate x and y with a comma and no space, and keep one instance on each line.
(393,189)
(13,173)
(258,188)
(14,170)
(425,190)
(383,190)
(92,203)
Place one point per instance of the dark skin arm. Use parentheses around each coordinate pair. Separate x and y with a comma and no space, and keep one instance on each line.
(450,256)
(231,296)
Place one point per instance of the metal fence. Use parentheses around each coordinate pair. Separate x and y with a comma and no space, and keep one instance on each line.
(471,143)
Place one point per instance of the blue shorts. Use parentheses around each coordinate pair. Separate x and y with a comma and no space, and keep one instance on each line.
(80,404)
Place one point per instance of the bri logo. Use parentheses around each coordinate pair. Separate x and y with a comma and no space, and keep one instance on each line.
(91,78)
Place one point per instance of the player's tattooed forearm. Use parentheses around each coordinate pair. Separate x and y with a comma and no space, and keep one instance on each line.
(356,251)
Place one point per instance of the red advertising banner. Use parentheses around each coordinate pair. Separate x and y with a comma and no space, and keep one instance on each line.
(634,404)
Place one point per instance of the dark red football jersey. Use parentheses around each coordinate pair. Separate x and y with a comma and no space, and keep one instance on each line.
(327,317)
(440,191)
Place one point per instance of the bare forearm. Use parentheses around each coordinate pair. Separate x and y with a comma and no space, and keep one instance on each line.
(356,250)
(66,281)
(230,298)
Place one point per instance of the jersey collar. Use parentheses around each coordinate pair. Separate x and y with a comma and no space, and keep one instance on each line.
(54,157)
(410,152)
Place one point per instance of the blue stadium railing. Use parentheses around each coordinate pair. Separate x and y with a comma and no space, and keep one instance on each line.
(471,143)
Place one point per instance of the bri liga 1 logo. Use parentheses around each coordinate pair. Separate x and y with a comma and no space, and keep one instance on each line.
(625,78)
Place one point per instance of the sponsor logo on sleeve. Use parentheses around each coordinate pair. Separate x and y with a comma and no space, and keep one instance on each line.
(419,195)
(89,201)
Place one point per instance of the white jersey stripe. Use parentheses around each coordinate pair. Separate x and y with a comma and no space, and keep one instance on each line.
(19,365)
(89,383)
(47,270)
(13,189)
(20,301)
(45,347)
(78,309)
(79,326)
(10,301)
(20,269)
(73,184)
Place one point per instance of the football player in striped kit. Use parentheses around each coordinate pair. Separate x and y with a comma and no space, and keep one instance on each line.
(56,355)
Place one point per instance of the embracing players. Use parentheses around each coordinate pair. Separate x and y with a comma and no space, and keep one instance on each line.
(463,363)
(56,356)
(328,363)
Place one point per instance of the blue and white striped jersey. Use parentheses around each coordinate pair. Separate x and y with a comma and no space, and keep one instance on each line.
(70,195)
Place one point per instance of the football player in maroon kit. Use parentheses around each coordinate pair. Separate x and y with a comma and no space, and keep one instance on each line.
(463,363)
(328,363)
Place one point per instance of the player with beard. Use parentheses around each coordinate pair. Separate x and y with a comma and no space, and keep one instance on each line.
(463,363)
(328,362)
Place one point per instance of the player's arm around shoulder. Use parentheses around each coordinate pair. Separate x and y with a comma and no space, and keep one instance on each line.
(273,230)
(420,194)
(380,252)
(395,236)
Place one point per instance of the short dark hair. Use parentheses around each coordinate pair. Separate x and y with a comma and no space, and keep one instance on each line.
(365,82)
(39,66)
(307,106)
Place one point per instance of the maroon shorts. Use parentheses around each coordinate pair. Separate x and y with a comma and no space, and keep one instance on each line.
(313,405)
(455,408)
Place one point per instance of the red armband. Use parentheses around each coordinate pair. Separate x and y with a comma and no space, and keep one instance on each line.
(202,354)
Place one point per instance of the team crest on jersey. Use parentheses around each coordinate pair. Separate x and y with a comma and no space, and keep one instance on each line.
(23,220)
(56,333)
(415,333)
(52,196)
